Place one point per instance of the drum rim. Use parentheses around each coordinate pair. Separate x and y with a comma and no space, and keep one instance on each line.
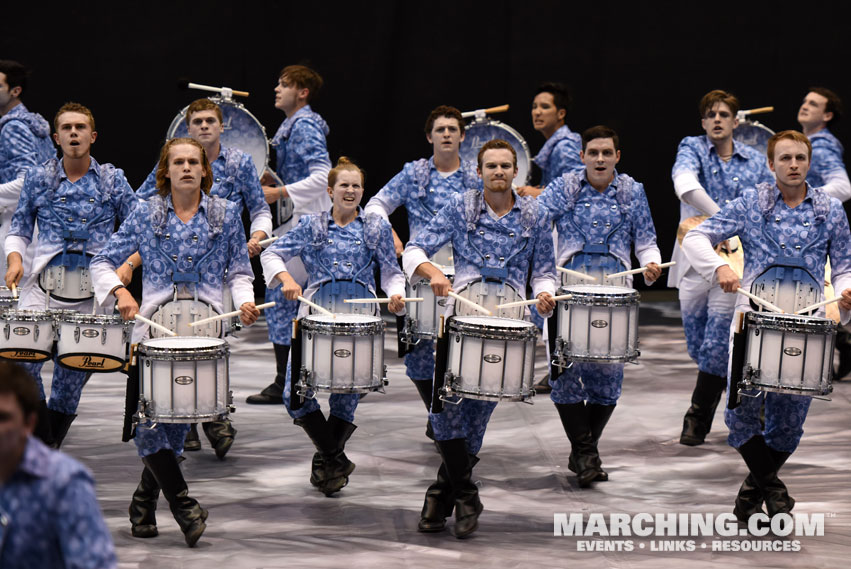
(26,315)
(80,318)
(625,290)
(343,328)
(527,332)
(798,322)
(218,345)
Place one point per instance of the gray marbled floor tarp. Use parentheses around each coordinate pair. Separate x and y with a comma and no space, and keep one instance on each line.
(264,513)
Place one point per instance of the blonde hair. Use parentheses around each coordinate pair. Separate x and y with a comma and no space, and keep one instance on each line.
(164,183)
(343,163)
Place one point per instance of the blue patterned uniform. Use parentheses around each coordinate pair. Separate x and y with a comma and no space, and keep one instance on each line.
(827,169)
(619,217)
(706,311)
(559,155)
(303,165)
(93,203)
(518,240)
(771,231)
(206,245)
(346,253)
(423,190)
(49,515)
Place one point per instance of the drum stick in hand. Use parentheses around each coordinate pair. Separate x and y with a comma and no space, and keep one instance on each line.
(533,301)
(14,290)
(379,300)
(268,241)
(639,270)
(819,305)
(153,324)
(227,315)
(761,302)
(470,303)
(576,274)
(316,306)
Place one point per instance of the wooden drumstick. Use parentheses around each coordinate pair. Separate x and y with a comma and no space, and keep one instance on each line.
(316,306)
(757,111)
(219,90)
(576,274)
(153,324)
(819,305)
(761,302)
(227,315)
(639,270)
(470,303)
(268,241)
(532,301)
(379,300)
(14,290)
(492,110)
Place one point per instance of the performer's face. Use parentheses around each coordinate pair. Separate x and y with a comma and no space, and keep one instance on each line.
(546,118)
(185,168)
(287,95)
(14,428)
(600,158)
(446,135)
(719,122)
(347,191)
(205,127)
(497,170)
(790,163)
(6,94)
(74,134)
(811,113)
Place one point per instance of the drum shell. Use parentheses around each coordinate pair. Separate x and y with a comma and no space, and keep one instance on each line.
(92,342)
(491,358)
(424,317)
(70,285)
(343,354)
(786,353)
(184,379)
(177,314)
(598,324)
(27,335)
(489,294)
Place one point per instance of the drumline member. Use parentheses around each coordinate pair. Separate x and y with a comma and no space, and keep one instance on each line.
(303,165)
(235,179)
(423,187)
(560,153)
(823,107)
(24,143)
(709,172)
(192,243)
(494,231)
(345,245)
(598,212)
(786,224)
(75,201)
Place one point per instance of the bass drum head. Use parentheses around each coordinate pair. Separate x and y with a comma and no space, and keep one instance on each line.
(242,131)
(479,132)
(753,134)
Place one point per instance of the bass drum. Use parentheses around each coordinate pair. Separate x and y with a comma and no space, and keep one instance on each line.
(754,134)
(480,131)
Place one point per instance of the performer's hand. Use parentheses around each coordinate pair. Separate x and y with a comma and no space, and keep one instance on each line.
(267,179)
(254,247)
(728,280)
(545,303)
(126,304)
(397,244)
(396,304)
(290,289)
(440,285)
(652,273)
(273,193)
(15,270)
(125,274)
(529,191)
(248,313)
(845,303)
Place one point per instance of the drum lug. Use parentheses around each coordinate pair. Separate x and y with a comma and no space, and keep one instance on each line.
(76,335)
(35,332)
(6,329)
(103,336)
(446,393)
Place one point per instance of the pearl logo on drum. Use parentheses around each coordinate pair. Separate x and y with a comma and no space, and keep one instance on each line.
(90,333)
(492,358)
(792,351)
(21,331)
(342,353)
(599,323)
(183,380)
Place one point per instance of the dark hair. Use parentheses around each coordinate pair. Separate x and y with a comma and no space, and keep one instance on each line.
(496,144)
(164,184)
(16,380)
(16,74)
(202,105)
(833,104)
(561,96)
(792,135)
(443,111)
(600,131)
(712,98)
(304,78)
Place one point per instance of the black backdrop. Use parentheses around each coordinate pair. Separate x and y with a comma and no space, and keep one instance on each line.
(638,67)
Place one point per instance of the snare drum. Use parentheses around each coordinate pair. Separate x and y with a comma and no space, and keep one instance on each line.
(754,134)
(183,380)
(27,335)
(343,353)
(7,301)
(598,324)
(331,294)
(92,342)
(424,317)
(483,130)
(490,358)
(785,353)
(177,314)
(488,294)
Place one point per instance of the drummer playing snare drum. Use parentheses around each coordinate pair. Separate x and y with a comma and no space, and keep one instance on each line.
(598,213)
(336,247)
(493,232)
(783,224)
(180,232)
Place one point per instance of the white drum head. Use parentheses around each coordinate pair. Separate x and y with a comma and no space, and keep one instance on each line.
(343,318)
(597,289)
(493,321)
(182,343)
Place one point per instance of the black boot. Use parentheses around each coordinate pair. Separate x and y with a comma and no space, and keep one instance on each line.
(704,400)
(221,435)
(763,468)
(42,427)
(274,392)
(425,389)
(143,508)
(576,420)
(599,415)
(59,425)
(749,500)
(465,494)
(192,442)
(438,504)
(334,468)
(843,347)
(340,467)
(188,514)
